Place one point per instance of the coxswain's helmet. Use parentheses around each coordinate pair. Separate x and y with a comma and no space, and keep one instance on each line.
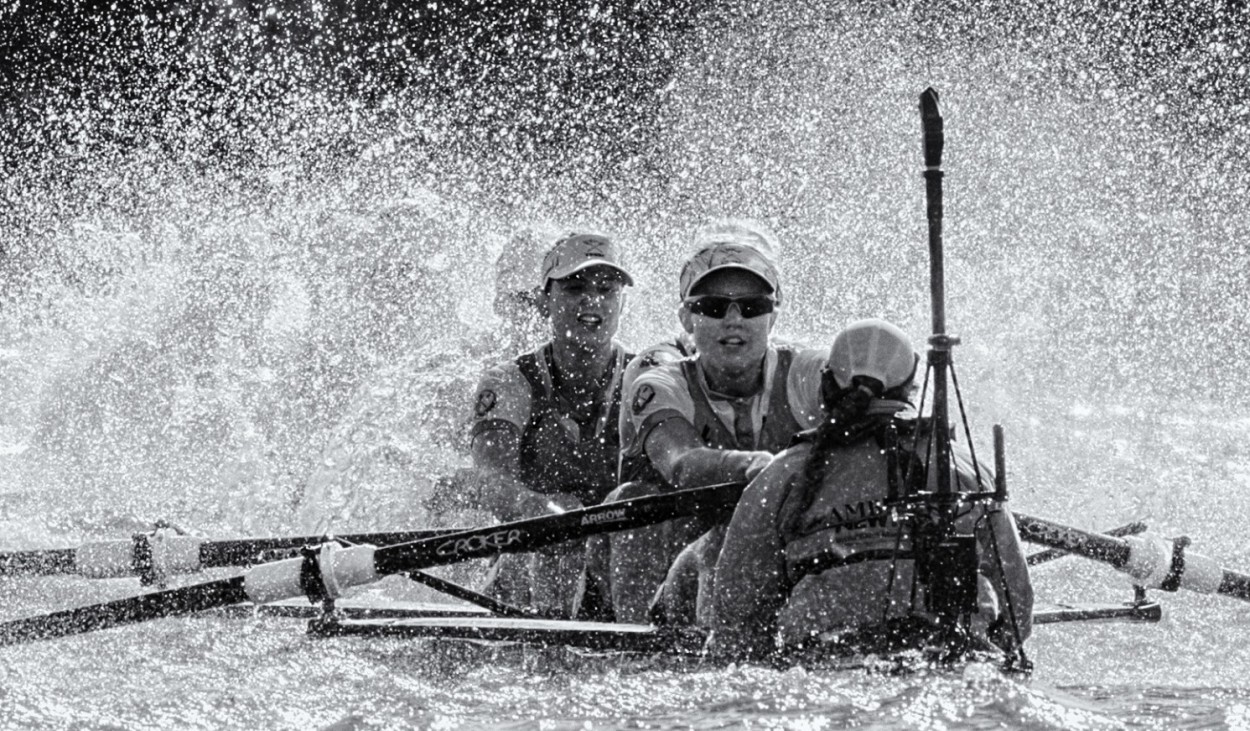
(873,349)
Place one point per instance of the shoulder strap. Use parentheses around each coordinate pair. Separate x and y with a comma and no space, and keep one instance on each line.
(532,365)
(711,430)
(532,368)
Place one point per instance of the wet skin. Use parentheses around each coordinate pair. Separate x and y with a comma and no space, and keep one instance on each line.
(585,308)
(731,349)
(585,311)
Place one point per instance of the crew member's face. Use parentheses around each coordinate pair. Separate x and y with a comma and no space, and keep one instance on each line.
(586,307)
(732,341)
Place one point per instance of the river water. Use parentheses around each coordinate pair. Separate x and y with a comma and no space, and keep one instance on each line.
(251,298)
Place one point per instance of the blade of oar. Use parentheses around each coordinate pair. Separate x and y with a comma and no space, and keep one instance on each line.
(1050,554)
(143,553)
(1152,562)
(346,567)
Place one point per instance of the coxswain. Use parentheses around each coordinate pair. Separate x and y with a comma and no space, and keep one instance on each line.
(825,499)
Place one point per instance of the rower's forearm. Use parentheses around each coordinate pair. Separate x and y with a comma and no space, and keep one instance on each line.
(706,466)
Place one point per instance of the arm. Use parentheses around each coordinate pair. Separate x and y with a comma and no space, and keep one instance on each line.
(677,452)
(500,413)
(496,455)
(663,429)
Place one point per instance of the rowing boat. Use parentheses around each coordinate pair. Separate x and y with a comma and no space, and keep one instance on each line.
(324,571)
(331,616)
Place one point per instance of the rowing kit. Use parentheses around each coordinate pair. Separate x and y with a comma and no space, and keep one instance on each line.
(325,569)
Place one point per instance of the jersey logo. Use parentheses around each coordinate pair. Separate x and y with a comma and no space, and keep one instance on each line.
(642,397)
(485,402)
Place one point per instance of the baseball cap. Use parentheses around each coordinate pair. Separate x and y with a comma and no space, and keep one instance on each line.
(729,255)
(576,252)
(873,348)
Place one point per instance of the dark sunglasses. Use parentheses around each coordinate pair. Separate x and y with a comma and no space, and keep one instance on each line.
(717,306)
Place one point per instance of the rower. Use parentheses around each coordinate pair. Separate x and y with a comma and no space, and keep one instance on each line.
(827,496)
(716,417)
(520,327)
(545,424)
(333,485)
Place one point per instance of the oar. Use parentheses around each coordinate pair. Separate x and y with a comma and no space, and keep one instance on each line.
(1050,554)
(1152,562)
(326,572)
(162,553)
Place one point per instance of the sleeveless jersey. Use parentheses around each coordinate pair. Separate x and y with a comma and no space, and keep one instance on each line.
(774,429)
(788,403)
(638,468)
(559,453)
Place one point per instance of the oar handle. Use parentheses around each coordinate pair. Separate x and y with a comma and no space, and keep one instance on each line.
(1153,562)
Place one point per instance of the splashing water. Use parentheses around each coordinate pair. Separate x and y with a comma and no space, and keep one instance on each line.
(247,259)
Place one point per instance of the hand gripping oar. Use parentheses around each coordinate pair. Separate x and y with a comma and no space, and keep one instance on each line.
(327,571)
(163,553)
(1153,562)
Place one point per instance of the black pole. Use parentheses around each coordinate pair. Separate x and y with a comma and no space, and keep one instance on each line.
(939,343)
(451,589)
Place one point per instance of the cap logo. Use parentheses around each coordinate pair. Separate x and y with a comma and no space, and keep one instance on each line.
(732,254)
(485,402)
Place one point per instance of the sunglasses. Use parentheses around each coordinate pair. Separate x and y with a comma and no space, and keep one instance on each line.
(717,306)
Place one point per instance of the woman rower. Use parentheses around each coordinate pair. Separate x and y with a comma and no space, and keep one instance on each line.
(826,495)
(545,424)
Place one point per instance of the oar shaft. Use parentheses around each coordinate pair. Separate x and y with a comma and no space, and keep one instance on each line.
(37,563)
(179,554)
(327,571)
(247,551)
(527,535)
(1151,562)
(124,611)
(1050,554)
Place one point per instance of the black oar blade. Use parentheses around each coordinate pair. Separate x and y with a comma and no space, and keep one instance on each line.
(169,603)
